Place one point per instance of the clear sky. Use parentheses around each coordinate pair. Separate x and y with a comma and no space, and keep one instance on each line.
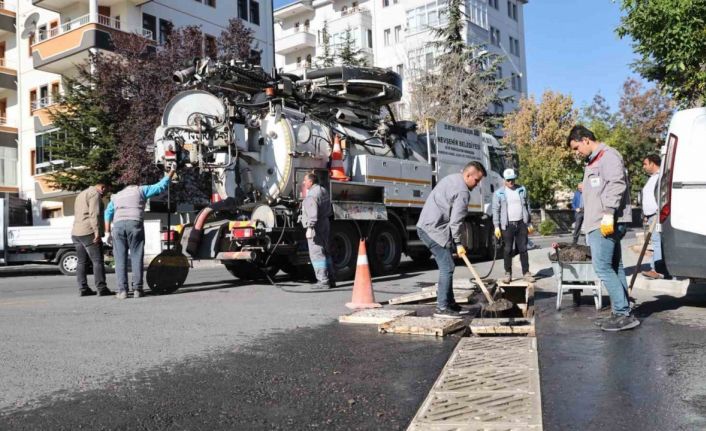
(571,47)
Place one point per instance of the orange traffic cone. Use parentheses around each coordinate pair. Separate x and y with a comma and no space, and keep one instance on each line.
(337,172)
(363,296)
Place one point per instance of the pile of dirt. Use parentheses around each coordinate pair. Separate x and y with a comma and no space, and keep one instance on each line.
(571,253)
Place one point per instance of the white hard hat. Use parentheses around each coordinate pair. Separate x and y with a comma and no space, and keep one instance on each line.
(509,174)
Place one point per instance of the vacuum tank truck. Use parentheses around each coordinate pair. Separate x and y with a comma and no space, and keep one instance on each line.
(257,136)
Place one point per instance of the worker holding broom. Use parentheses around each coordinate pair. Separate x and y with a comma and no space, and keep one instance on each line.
(440,225)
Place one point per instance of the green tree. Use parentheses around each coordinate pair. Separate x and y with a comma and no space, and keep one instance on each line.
(86,140)
(327,58)
(539,131)
(670,38)
(463,80)
(350,54)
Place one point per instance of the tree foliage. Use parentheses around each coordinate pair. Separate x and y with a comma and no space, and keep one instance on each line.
(463,81)
(123,96)
(349,54)
(670,38)
(327,58)
(539,131)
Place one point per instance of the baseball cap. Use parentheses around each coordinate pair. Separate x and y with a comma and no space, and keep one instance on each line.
(509,174)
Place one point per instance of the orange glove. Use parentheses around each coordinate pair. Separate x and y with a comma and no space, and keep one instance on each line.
(607,225)
(460,250)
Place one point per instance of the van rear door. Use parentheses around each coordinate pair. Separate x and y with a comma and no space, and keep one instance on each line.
(682,195)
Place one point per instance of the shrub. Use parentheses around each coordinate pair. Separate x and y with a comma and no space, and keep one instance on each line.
(547,227)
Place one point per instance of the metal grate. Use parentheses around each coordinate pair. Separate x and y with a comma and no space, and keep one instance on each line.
(488,384)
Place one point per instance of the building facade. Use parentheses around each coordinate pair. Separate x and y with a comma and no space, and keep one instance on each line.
(395,34)
(42,41)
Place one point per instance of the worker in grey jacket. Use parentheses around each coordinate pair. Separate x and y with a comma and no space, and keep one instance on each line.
(440,226)
(316,211)
(511,218)
(606,200)
(127,210)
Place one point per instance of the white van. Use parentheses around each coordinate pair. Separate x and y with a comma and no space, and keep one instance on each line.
(682,195)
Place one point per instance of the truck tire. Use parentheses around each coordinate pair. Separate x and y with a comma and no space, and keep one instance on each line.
(384,249)
(344,249)
(68,263)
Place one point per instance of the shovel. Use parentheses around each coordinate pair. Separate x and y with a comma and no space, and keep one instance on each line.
(493,306)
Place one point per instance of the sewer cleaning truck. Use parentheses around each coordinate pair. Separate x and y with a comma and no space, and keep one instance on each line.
(257,135)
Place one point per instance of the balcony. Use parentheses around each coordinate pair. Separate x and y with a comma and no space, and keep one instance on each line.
(41,111)
(295,41)
(293,9)
(8,75)
(8,17)
(59,5)
(61,48)
(8,143)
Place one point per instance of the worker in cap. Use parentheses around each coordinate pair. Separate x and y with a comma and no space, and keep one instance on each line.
(511,218)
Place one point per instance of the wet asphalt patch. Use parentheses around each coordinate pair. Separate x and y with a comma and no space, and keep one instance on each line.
(329,377)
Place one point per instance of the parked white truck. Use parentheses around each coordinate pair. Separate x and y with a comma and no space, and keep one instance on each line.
(682,195)
(23,243)
(258,135)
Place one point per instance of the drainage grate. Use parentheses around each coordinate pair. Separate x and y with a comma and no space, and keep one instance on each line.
(488,384)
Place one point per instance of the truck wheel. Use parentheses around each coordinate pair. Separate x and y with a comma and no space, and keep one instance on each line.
(385,249)
(344,249)
(68,263)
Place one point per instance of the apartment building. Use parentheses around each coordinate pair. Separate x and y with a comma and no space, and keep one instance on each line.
(395,34)
(42,41)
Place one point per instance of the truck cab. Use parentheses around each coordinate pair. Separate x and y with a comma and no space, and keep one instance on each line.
(682,195)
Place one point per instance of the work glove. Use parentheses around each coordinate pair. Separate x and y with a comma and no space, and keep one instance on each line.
(607,225)
(460,250)
(530,229)
(498,233)
(310,234)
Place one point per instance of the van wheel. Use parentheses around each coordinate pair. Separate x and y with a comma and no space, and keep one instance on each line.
(344,249)
(385,249)
(68,263)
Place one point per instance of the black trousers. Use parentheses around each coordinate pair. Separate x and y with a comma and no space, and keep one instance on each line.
(515,237)
(577,225)
(86,249)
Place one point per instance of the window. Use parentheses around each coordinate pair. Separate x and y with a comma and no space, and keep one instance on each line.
(512,10)
(495,36)
(54,28)
(400,70)
(165,30)
(370,38)
(48,213)
(306,25)
(493,4)
(31,42)
(514,46)
(44,162)
(296,26)
(243,9)
(254,12)
(432,14)
(116,20)
(299,61)
(8,166)
(211,49)
(398,33)
(149,23)
(386,37)
(516,82)
(429,60)
(55,91)
(385,3)
(3,111)
(42,30)
(308,60)
(499,72)
(211,3)
(32,100)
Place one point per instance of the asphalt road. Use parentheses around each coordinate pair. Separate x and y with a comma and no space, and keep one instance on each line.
(221,354)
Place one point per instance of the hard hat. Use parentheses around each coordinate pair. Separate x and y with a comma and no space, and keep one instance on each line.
(509,174)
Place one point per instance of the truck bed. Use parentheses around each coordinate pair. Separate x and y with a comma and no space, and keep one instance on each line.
(38,236)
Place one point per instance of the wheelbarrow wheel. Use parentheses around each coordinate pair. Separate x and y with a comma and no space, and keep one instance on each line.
(576,293)
(167,272)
